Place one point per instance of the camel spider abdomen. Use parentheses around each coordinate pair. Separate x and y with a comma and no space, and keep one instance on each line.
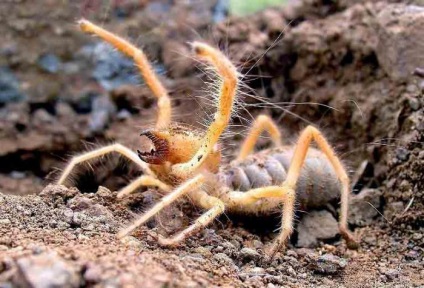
(188,162)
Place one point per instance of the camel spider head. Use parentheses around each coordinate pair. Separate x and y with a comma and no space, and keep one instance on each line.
(177,144)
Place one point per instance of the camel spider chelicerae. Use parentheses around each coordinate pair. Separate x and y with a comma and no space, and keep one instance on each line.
(188,162)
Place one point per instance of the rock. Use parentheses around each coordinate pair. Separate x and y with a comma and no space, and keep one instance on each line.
(402,154)
(42,117)
(103,110)
(49,63)
(111,68)
(417,236)
(254,271)
(63,110)
(249,254)
(400,45)
(45,270)
(328,264)
(9,87)
(223,258)
(56,192)
(123,114)
(92,273)
(391,274)
(393,209)
(363,207)
(220,10)
(315,226)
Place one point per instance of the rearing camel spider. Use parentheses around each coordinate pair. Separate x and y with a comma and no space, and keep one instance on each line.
(187,162)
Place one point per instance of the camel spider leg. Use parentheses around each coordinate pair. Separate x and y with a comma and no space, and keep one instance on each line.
(190,185)
(286,190)
(140,59)
(143,180)
(262,123)
(311,133)
(164,106)
(103,151)
(228,89)
(215,208)
(287,196)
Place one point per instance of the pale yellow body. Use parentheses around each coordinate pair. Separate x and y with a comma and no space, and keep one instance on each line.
(185,162)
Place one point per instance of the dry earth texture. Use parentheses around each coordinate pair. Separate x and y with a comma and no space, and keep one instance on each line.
(62,92)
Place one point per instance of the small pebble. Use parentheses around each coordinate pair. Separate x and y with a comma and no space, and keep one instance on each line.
(9,87)
(328,264)
(249,254)
(45,270)
(223,258)
(49,63)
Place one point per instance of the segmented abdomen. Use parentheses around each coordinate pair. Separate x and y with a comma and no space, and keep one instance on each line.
(317,185)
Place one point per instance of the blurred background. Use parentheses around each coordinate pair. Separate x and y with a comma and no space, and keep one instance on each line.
(62,91)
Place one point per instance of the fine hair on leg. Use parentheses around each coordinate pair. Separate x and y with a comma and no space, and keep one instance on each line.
(262,123)
(118,148)
(190,185)
(146,70)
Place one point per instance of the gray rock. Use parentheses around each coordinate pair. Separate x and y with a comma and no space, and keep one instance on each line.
(9,87)
(103,110)
(328,264)
(391,274)
(49,63)
(393,209)
(400,45)
(45,270)
(223,258)
(249,254)
(315,226)
(363,207)
(111,68)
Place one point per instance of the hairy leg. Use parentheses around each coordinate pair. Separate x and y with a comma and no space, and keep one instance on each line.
(311,133)
(262,123)
(118,148)
(228,89)
(284,193)
(140,59)
(184,188)
(143,180)
(215,208)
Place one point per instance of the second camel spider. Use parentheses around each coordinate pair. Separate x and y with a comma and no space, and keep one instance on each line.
(186,162)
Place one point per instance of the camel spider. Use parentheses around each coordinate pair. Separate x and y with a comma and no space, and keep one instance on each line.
(185,162)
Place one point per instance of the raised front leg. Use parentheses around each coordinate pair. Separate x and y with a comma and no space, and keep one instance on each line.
(140,59)
(227,92)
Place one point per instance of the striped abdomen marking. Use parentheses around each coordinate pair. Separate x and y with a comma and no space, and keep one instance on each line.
(317,185)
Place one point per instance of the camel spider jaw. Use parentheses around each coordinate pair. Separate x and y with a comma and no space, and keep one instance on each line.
(177,144)
(159,153)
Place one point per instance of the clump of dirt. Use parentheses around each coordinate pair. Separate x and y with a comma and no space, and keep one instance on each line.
(352,68)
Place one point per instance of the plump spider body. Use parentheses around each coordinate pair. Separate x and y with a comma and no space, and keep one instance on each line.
(317,186)
(186,162)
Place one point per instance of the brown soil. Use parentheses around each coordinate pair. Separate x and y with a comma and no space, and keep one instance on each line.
(362,58)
